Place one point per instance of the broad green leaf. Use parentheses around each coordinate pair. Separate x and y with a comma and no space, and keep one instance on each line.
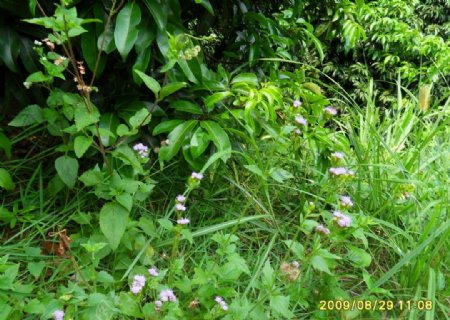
(9,47)
(5,144)
(141,118)
(166,126)
(113,222)
(141,64)
(84,117)
(206,4)
(158,13)
(248,78)
(110,122)
(281,175)
(218,136)
(67,169)
(255,169)
(176,138)
(129,306)
(90,50)
(280,306)
(126,200)
(30,115)
(35,268)
(320,263)
(126,33)
(167,90)
(81,144)
(186,106)
(199,142)
(105,41)
(216,97)
(359,257)
(6,180)
(151,83)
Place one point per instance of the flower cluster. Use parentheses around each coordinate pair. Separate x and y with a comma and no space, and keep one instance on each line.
(297,103)
(141,149)
(300,120)
(342,219)
(341,171)
(197,176)
(337,156)
(223,305)
(346,201)
(138,284)
(167,295)
(58,315)
(153,272)
(183,221)
(322,229)
(330,111)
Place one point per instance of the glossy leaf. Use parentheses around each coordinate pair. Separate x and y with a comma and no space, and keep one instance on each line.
(177,138)
(170,88)
(6,181)
(150,82)
(81,144)
(126,33)
(166,126)
(218,136)
(157,11)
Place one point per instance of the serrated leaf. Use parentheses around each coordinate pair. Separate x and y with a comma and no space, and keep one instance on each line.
(280,305)
(28,116)
(35,268)
(281,175)
(126,200)
(150,82)
(320,263)
(113,223)
(126,33)
(67,169)
(84,117)
(81,144)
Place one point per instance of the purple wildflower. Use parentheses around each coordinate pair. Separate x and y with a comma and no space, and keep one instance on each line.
(141,149)
(183,221)
(138,284)
(153,271)
(58,314)
(181,198)
(330,111)
(300,120)
(197,176)
(167,295)
(342,219)
(297,103)
(337,155)
(346,201)
(223,305)
(180,207)
(321,229)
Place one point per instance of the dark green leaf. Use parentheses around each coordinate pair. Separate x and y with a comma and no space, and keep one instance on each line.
(113,222)
(30,115)
(6,180)
(176,138)
(166,126)
(67,169)
(126,33)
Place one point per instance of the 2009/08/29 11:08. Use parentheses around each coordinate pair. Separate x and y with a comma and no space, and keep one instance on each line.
(376,305)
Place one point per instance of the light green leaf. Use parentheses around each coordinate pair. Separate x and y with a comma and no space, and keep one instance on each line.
(67,169)
(248,78)
(151,83)
(206,4)
(280,305)
(129,306)
(320,263)
(186,106)
(255,169)
(126,33)
(30,115)
(113,222)
(166,126)
(199,142)
(84,117)
(141,118)
(359,257)
(35,268)
(281,175)
(81,144)
(6,180)
(176,138)
(218,136)
(126,200)
(216,97)
(171,88)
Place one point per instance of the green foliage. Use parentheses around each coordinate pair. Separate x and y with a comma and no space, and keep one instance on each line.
(195,160)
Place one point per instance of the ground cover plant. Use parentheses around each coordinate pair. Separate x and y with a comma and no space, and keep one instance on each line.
(224,160)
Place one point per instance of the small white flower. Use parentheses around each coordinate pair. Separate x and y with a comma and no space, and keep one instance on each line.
(38,43)
(27,85)
(158,303)
(223,305)
(183,221)
(295,264)
(297,131)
